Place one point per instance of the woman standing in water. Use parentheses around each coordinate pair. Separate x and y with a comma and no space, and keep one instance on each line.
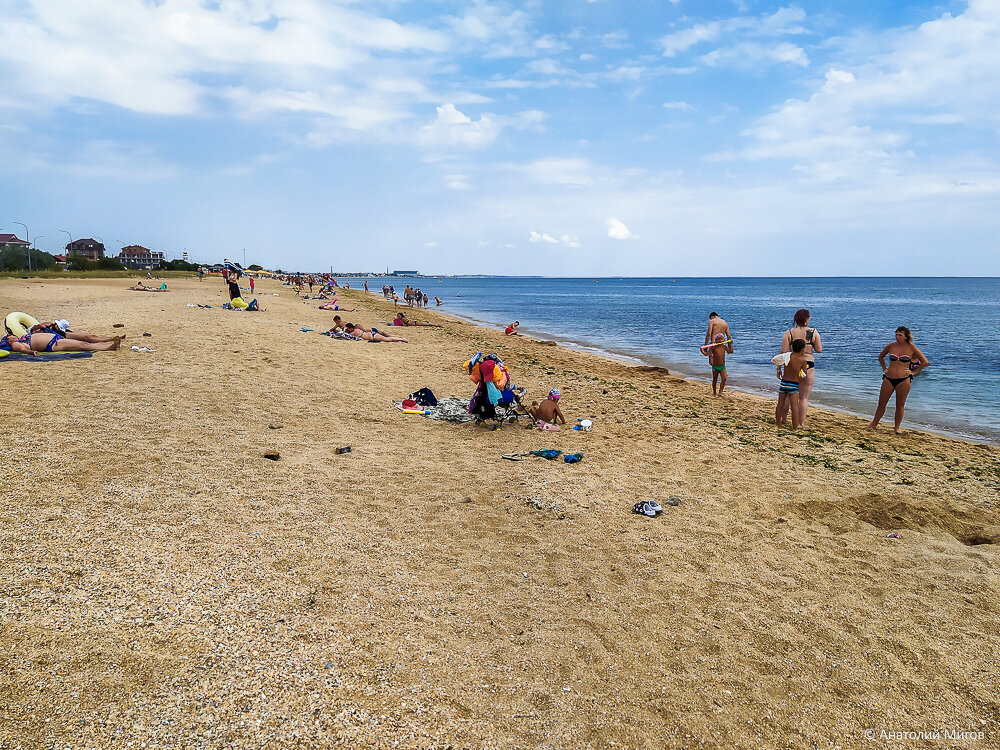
(814,345)
(905,361)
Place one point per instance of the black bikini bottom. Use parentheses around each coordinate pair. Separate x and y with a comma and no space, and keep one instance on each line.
(896,381)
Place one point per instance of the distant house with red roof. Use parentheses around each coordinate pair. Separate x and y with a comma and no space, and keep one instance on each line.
(11,241)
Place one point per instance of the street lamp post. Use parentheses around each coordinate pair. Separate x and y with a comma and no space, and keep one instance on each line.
(70,239)
(27,238)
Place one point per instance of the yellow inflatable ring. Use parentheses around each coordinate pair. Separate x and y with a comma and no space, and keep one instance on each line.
(18,323)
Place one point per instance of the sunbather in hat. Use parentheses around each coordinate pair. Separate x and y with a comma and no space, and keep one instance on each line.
(61,328)
(32,343)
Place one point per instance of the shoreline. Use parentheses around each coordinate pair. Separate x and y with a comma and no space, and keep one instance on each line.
(171,585)
(816,401)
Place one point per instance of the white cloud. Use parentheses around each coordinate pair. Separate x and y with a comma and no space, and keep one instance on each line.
(555,171)
(751,55)
(678,106)
(615,39)
(617,230)
(563,241)
(454,128)
(869,119)
(157,57)
(783,22)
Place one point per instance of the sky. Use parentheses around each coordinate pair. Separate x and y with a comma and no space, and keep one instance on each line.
(565,138)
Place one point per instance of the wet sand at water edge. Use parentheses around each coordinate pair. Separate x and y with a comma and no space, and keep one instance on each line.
(163,583)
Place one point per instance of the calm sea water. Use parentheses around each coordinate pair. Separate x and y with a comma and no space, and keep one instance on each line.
(955,322)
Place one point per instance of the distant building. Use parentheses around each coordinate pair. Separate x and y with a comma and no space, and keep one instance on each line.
(11,242)
(137,256)
(406,274)
(89,248)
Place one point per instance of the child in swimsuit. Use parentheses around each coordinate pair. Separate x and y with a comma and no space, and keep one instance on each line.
(717,359)
(547,413)
(788,390)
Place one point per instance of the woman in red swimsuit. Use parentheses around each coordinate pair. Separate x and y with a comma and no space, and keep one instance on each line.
(905,361)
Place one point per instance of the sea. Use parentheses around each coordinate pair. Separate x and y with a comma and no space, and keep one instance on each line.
(662,321)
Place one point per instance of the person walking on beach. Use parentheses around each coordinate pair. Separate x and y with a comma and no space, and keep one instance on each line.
(717,359)
(791,376)
(905,361)
(814,345)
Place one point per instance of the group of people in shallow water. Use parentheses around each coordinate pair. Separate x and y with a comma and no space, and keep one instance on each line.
(796,368)
(55,336)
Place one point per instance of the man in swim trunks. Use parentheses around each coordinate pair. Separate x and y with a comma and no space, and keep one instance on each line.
(717,325)
(788,390)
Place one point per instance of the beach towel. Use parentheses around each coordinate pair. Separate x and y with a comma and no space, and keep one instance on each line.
(424,397)
(49,357)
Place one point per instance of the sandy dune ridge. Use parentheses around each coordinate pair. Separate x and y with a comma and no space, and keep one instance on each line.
(162,583)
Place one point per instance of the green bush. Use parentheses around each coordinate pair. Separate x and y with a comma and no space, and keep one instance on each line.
(177,265)
(16,259)
(80,263)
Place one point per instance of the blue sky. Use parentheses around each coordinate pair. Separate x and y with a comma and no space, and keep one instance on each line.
(601,137)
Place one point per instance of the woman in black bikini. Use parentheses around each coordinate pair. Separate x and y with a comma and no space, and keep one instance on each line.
(905,361)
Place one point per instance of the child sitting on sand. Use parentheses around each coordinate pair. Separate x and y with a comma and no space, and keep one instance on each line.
(546,413)
(790,374)
(717,359)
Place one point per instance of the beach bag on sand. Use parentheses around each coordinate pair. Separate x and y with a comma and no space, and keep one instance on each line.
(424,397)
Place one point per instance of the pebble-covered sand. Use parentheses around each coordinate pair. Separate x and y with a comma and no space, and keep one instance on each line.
(163,585)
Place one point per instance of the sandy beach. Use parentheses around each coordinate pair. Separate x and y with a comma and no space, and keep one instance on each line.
(163,585)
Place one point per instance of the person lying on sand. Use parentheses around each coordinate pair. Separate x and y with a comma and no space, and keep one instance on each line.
(140,287)
(32,343)
(402,320)
(61,328)
(548,411)
(333,305)
(372,334)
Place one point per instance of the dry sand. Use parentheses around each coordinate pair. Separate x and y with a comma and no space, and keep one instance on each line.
(163,585)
